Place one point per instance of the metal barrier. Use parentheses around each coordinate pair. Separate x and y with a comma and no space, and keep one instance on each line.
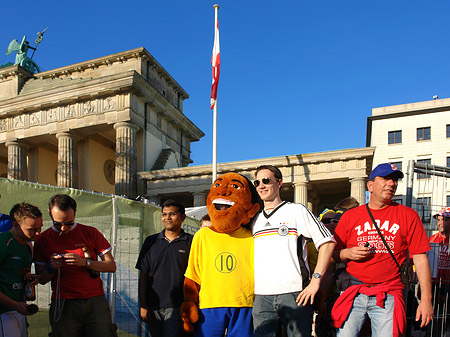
(125,223)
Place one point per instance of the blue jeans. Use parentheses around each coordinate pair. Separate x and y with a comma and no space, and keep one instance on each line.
(269,309)
(166,322)
(382,319)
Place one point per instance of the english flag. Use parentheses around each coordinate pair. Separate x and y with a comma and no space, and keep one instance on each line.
(215,61)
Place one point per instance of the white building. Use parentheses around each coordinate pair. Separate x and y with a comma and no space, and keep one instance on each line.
(416,131)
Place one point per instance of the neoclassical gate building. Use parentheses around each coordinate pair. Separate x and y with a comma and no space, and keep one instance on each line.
(93,125)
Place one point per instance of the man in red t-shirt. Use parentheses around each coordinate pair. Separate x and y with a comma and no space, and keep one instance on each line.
(376,290)
(67,255)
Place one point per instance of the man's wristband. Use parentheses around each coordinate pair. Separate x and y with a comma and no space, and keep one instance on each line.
(50,269)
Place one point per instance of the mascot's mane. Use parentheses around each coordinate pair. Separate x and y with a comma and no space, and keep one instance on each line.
(255,200)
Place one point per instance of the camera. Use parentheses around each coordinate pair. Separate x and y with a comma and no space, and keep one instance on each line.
(32,309)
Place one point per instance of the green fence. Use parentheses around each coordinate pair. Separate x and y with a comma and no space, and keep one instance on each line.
(125,223)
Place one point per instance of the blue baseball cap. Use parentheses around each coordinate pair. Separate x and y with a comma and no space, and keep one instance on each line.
(384,170)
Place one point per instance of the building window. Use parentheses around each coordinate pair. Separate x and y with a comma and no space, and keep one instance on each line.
(448,162)
(448,130)
(395,137)
(422,175)
(448,200)
(159,122)
(423,134)
(397,164)
(424,209)
(398,200)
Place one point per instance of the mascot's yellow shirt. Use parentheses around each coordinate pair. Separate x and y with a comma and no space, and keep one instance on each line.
(222,264)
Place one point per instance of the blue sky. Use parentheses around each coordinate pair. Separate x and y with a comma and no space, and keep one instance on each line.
(296,76)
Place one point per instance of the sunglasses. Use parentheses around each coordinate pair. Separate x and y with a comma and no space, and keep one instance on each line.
(59,224)
(265,181)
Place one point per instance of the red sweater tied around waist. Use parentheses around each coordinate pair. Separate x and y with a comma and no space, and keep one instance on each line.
(343,304)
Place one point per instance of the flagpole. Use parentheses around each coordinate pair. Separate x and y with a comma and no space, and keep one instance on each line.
(214,158)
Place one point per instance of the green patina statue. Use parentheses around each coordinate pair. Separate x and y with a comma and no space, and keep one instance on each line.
(22,58)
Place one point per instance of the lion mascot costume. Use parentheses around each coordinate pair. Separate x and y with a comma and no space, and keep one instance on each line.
(219,281)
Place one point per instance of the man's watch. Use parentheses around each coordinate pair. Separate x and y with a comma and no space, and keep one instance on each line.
(88,263)
(317,275)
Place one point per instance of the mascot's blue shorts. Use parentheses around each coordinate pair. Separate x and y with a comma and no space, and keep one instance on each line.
(214,321)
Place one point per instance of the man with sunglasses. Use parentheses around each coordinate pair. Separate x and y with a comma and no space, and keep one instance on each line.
(66,254)
(284,291)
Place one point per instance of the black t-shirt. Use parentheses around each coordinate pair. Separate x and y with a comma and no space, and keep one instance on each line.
(165,262)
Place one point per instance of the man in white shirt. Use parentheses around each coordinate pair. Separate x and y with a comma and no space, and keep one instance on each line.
(284,291)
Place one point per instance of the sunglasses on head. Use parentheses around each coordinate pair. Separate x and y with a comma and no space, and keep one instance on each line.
(329,220)
(265,181)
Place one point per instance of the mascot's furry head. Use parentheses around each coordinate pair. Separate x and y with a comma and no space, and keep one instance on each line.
(232,202)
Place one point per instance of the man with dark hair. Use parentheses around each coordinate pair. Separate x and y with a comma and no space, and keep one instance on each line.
(376,290)
(283,288)
(67,255)
(15,268)
(162,262)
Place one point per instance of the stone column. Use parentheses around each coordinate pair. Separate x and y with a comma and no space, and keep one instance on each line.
(301,192)
(17,160)
(126,159)
(199,199)
(358,189)
(67,160)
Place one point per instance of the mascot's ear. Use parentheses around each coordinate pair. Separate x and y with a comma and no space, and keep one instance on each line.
(252,211)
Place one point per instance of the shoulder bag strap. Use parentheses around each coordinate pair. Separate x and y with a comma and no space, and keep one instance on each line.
(381,236)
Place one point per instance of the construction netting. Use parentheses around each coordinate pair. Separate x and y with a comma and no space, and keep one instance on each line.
(430,186)
(125,223)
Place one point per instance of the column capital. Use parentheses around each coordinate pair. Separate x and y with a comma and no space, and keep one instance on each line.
(17,143)
(300,183)
(199,198)
(67,134)
(199,193)
(119,125)
(357,179)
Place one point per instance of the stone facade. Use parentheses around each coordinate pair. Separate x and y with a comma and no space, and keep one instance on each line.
(317,180)
(419,131)
(123,108)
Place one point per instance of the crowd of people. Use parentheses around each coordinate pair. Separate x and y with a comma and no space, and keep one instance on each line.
(342,270)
